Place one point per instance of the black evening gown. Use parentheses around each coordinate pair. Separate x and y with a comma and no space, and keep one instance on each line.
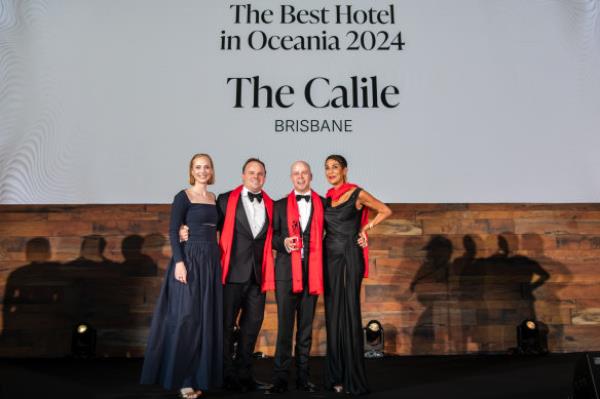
(344,270)
(185,345)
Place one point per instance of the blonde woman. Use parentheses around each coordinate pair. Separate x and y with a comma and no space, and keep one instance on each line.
(185,346)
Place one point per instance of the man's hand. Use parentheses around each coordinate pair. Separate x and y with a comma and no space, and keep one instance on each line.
(184,233)
(291,244)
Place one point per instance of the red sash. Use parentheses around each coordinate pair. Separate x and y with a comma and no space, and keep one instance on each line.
(315,254)
(226,241)
(335,194)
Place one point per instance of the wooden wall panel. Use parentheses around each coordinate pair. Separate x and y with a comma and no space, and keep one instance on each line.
(445,278)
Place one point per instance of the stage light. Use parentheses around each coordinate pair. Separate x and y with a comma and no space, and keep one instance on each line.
(373,339)
(83,341)
(530,324)
(532,338)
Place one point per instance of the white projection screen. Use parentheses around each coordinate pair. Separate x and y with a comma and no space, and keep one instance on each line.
(105,101)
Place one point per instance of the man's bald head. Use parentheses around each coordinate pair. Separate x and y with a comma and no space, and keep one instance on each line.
(301,176)
(297,163)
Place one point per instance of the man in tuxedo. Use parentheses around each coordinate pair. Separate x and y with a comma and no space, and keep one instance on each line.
(298,239)
(245,224)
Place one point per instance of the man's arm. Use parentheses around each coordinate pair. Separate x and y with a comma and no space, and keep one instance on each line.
(221,208)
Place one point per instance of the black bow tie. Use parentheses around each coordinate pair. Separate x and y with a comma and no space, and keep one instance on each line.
(253,196)
(302,197)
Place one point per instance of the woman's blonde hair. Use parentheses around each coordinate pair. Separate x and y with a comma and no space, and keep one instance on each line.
(196,156)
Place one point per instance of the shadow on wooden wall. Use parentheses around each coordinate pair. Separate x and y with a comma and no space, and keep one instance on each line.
(474,304)
(44,300)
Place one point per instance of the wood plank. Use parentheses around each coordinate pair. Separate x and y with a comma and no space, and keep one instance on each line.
(468,226)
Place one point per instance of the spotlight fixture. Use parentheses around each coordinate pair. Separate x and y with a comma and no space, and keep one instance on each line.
(373,339)
(83,341)
(530,324)
(532,338)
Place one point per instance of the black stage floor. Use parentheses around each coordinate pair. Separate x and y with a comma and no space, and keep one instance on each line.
(465,377)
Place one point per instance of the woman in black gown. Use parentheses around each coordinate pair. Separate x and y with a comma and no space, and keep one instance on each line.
(185,345)
(346,224)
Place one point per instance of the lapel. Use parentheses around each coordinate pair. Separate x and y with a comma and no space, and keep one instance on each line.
(241,218)
(283,220)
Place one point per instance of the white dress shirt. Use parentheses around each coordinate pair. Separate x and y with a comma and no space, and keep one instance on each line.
(304,211)
(255,211)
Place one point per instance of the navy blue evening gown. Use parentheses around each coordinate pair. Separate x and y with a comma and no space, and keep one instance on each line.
(185,345)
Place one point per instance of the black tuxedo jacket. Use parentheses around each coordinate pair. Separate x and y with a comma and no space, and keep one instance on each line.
(283,262)
(247,251)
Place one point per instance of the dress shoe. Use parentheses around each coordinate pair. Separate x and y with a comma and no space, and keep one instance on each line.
(277,388)
(262,386)
(338,388)
(306,386)
(250,385)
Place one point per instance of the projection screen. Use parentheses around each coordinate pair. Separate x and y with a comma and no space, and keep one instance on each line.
(430,100)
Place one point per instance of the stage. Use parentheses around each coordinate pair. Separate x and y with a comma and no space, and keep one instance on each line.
(406,377)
